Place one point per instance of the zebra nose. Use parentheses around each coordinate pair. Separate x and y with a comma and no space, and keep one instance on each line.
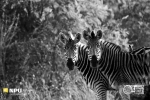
(70,64)
(94,61)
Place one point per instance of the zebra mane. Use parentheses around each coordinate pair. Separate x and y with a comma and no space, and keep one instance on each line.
(109,45)
(141,50)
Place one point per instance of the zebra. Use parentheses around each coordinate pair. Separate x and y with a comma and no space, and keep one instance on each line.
(139,51)
(118,66)
(94,47)
(93,77)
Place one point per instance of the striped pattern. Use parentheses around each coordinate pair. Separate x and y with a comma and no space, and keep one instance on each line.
(123,67)
(77,55)
(94,77)
(140,50)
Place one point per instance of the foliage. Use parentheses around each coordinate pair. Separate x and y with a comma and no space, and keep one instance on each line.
(32,56)
(135,19)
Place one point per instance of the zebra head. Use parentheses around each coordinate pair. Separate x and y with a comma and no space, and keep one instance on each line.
(70,49)
(93,46)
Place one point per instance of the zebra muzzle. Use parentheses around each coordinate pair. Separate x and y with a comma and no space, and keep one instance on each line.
(70,64)
(94,61)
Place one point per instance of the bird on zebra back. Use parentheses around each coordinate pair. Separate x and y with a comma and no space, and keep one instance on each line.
(77,55)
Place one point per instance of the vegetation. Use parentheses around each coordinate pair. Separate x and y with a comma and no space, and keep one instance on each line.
(32,56)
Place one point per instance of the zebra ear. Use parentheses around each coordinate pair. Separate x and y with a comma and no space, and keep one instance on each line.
(77,38)
(99,34)
(63,38)
(88,29)
(130,48)
(85,35)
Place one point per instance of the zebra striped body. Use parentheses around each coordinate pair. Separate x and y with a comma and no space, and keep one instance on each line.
(141,50)
(118,66)
(94,77)
(122,67)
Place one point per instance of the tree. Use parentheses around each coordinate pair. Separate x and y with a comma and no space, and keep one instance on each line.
(30,49)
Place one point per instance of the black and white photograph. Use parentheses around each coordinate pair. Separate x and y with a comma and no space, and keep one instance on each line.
(74,49)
